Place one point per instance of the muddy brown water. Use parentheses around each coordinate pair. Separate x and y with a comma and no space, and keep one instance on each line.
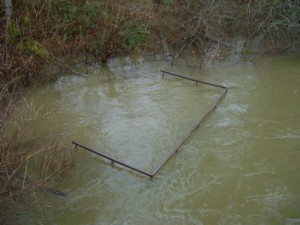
(242,166)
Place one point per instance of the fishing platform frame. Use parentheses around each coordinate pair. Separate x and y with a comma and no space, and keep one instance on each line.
(183,140)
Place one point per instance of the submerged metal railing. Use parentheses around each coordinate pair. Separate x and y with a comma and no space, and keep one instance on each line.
(176,148)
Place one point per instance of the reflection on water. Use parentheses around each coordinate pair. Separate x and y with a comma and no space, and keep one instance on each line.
(241,167)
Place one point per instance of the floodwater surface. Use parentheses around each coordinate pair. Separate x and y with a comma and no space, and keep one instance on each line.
(242,166)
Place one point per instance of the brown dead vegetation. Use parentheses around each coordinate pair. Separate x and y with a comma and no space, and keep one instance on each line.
(54,32)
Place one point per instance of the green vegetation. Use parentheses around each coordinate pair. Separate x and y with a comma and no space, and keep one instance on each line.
(134,34)
(41,31)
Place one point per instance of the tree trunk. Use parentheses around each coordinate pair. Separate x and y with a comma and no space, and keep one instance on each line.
(8,9)
(8,13)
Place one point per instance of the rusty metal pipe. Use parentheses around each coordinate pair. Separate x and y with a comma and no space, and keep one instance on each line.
(112,159)
(190,132)
(183,140)
(191,79)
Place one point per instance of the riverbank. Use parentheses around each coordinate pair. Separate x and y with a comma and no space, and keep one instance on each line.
(55,32)
(44,38)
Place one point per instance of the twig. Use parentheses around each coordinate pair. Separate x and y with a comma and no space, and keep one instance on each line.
(185,42)
(73,71)
(43,188)
(69,68)
(164,44)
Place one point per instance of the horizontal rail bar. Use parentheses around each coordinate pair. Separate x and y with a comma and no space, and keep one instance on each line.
(183,140)
(191,79)
(189,133)
(112,159)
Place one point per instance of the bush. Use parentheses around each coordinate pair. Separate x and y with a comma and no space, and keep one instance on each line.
(135,34)
(25,166)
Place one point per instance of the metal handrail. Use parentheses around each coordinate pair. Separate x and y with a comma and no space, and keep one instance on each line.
(189,133)
(176,148)
(112,159)
(192,79)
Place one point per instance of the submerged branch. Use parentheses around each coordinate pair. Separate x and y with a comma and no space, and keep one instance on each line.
(30,180)
(69,68)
